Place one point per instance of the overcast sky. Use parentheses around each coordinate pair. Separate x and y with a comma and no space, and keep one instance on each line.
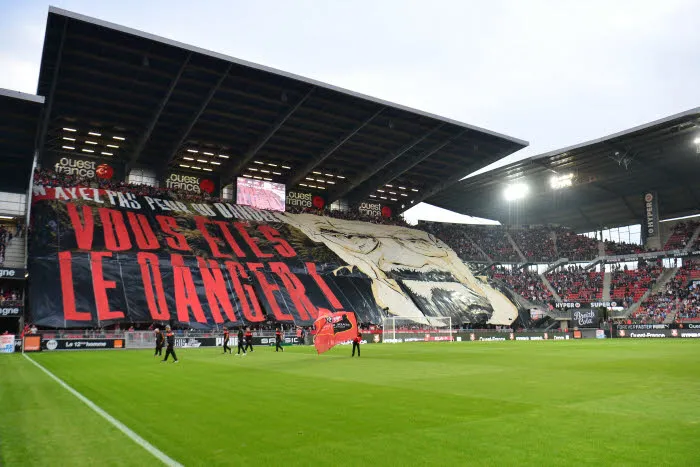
(554,73)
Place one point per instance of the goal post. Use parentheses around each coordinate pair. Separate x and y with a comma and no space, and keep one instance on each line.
(398,329)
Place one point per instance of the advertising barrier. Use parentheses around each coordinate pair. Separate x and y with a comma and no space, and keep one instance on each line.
(81,344)
(659,333)
(7,343)
(32,343)
(10,311)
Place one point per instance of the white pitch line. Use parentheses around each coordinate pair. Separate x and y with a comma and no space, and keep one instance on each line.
(119,425)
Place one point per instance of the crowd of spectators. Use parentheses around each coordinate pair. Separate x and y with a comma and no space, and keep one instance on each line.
(454,235)
(573,283)
(6,236)
(678,298)
(631,284)
(535,243)
(10,296)
(622,248)
(680,235)
(575,247)
(527,284)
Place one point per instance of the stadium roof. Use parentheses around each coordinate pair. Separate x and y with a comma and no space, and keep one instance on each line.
(19,120)
(168,100)
(610,175)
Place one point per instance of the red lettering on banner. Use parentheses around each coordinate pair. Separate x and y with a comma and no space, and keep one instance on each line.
(143,233)
(113,223)
(157,305)
(201,224)
(245,293)
(65,263)
(175,240)
(85,230)
(330,296)
(100,286)
(228,236)
(281,245)
(296,290)
(268,290)
(215,288)
(252,243)
(185,292)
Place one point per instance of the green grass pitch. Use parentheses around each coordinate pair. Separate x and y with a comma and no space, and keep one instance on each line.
(619,402)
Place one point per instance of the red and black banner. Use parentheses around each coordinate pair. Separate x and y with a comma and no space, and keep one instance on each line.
(333,329)
(100,257)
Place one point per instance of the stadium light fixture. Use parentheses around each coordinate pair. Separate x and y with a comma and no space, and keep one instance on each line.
(70,148)
(516,191)
(561,181)
(402,188)
(215,163)
(303,184)
(223,156)
(285,167)
(697,140)
(340,176)
(330,183)
(91,142)
(267,179)
(107,153)
(258,162)
(328,175)
(404,194)
(207,169)
(208,153)
(184,166)
(392,192)
(94,133)
(68,139)
(316,173)
(188,158)
(372,196)
(195,167)
(276,173)
(265,171)
(257,178)
(193,151)
(203,161)
(394,199)
(380,191)
(271,164)
(72,130)
(88,150)
(413,189)
(253,169)
(118,138)
(390,186)
(383,197)
(113,146)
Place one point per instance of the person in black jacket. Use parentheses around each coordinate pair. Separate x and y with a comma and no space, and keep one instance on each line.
(170,349)
(278,340)
(240,342)
(160,340)
(248,339)
(226,347)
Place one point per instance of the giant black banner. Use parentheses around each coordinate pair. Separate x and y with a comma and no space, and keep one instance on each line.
(100,257)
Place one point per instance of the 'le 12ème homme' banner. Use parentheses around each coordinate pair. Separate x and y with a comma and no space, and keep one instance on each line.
(100,257)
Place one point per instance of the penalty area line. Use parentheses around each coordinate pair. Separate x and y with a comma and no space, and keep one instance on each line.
(160,455)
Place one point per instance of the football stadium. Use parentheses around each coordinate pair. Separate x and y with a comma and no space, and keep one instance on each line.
(204,261)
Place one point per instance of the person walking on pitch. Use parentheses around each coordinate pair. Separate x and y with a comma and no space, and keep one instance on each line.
(248,339)
(160,340)
(170,349)
(356,344)
(278,340)
(240,342)
(226,347)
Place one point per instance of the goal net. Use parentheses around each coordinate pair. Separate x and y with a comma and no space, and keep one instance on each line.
(397,329)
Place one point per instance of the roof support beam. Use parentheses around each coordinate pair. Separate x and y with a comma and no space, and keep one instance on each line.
(254,149)
(423,195)
(404,166)
(318,160)
(136,154)
(379,165)
(52,92)
(195,117)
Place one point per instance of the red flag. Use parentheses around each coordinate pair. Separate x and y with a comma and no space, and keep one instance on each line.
(334,328)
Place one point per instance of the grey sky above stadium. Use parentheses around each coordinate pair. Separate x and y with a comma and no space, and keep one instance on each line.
(554,73)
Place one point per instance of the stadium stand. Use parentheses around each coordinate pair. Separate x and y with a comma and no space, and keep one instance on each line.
(572,283)
(622,248)
(575,247)
(527,284)
(536,243)
(631,285)
(680,235)
(456,237)
(677,299)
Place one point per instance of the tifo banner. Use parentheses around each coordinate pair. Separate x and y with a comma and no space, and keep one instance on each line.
(103,257)
(7,343)
(332,329)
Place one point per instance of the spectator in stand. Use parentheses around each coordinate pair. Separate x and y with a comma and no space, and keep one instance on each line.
(622,248)
(535,243)
(527,284)
(573,283)
(575,247)
(681,235)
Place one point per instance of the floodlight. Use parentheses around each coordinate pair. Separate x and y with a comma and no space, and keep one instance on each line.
(516,191)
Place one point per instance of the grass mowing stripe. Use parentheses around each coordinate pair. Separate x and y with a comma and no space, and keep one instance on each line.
(157,453)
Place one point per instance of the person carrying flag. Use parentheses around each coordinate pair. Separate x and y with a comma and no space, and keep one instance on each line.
(278,340)
(248,339)
(170,349)
(240,342)
(160,340)
(226,341)
(356,344)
